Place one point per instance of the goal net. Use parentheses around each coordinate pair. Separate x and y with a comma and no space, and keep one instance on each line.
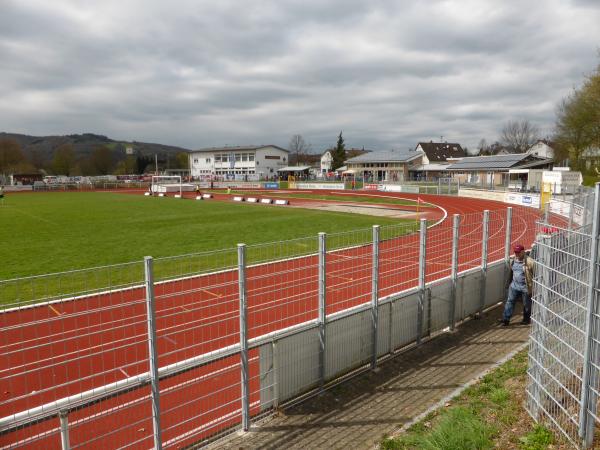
(166,184)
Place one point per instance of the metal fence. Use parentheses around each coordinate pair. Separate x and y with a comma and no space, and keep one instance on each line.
(172,352)
(564,351)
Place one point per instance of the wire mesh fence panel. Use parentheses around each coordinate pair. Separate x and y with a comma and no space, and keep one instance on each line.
(563,351)
(202,403)
(348,269)
(439,251)
(91,335)
(398,259)
(197,317)
(470,241)
(283,292)
(496,234)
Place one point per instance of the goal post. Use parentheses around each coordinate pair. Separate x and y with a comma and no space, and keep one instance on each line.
(163,184)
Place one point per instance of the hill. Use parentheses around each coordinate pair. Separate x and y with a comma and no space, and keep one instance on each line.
(40,149)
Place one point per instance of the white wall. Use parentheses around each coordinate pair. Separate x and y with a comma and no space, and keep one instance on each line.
(542,150)
(326,161)
(269,160)
(263,162)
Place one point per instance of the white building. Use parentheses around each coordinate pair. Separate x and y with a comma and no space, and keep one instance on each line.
(326,161)
(246,162)
(542,148)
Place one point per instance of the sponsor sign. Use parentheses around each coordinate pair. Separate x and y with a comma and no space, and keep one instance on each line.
(236,185)
(371,187)
(515,198)
(486,195)
(319,185)
(564,209)
(399,188)
(271,185)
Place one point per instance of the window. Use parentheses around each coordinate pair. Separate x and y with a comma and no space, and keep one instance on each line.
(217,158)
(244,157)
(251,157)
(208,160)
(195,160)
(238,157)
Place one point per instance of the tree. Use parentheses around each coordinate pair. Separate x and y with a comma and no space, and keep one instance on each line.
(126,166)
(299,148)
(518,136)
(63,162)
(142,162)
(578,120)
(101,160)
(338,153)
(11,156)
(483,147)
(182,161)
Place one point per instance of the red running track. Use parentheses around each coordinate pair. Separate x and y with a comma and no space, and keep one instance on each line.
(53,351)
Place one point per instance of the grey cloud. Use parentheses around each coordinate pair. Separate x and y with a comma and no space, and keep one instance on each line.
(201,73)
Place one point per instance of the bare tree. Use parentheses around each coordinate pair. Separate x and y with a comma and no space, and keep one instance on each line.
(299,147)
(518,136)
(483,147)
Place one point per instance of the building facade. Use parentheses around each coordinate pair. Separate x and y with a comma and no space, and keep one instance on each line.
(326,161)
(388,166)
(237,163)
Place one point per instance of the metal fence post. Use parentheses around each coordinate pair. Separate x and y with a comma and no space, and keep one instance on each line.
(422,256)
(484,258)
(152,351)
(454,273)
(64,430)
(275,374)
(507,242)
(571,212)
(243,336)
(322,306)
(588,397)
(375,295)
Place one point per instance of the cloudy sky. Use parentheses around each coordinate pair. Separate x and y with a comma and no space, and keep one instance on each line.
(209,73)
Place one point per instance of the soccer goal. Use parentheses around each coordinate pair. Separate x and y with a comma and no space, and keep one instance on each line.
(164,184)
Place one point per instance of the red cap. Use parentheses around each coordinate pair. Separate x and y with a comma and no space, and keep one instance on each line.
(518,248)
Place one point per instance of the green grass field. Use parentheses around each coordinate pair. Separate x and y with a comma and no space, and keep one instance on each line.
(50,232)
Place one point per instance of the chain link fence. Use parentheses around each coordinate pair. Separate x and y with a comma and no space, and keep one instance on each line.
(564,350)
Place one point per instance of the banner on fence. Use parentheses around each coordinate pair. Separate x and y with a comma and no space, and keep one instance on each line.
(516,198)
(319,185)
(399,188)
(271,185)
(486,195)
(564,209)
(236,185)
(370,187)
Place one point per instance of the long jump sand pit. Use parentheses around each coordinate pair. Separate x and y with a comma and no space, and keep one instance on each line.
(371,210)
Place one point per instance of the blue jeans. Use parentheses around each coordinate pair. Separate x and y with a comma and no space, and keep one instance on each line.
(513,295)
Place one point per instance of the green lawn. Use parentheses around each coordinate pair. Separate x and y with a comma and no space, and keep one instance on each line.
(52,232)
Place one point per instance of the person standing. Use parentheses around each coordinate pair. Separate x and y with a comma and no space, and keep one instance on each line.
(520,285)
